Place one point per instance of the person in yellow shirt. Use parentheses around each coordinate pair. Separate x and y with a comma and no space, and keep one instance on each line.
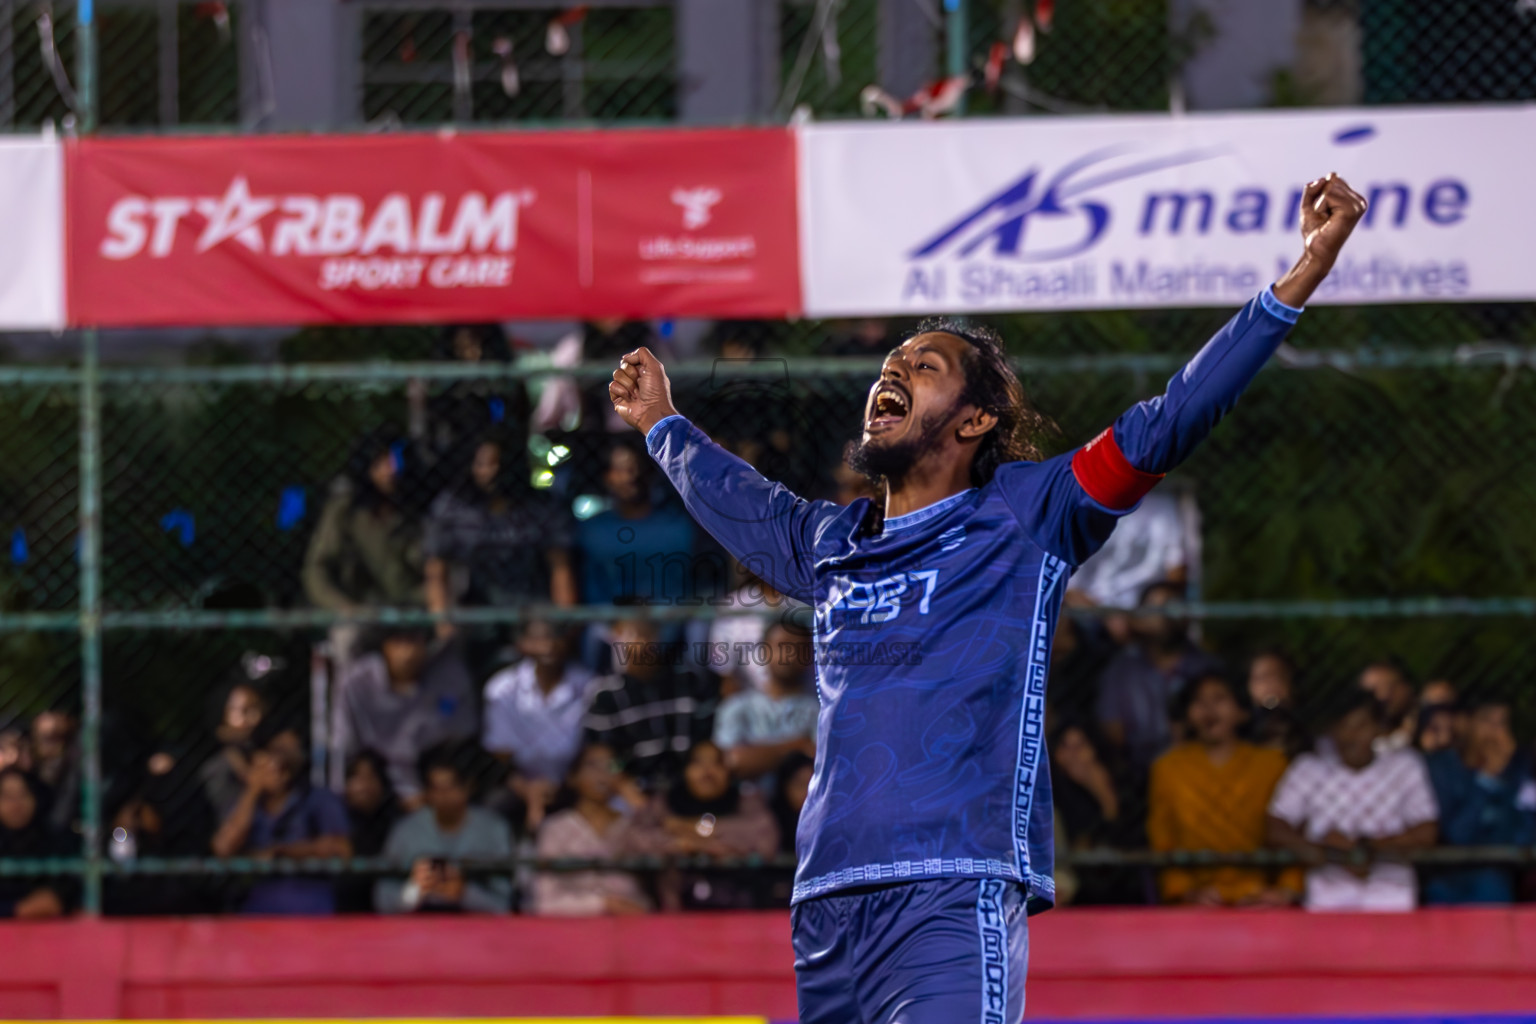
(1211,793)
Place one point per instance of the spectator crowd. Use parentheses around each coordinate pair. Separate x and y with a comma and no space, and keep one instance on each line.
(646,739)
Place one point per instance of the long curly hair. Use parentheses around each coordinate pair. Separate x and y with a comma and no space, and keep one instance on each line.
(992,386)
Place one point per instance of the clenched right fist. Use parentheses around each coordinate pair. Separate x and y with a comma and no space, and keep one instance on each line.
(641,393)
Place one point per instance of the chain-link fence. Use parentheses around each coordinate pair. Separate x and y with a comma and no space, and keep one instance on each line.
(164,63)
(1365,502)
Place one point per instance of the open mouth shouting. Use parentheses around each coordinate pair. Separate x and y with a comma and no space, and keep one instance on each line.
(889,405)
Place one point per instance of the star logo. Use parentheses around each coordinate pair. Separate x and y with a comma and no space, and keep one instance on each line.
(237,214)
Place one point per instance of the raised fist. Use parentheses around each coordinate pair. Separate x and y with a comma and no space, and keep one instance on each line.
(641,393)
(1330,209)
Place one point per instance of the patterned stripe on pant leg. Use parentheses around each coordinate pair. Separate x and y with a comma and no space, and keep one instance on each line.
(993,931)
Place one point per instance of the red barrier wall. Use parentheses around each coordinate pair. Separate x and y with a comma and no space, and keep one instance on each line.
(1084,963)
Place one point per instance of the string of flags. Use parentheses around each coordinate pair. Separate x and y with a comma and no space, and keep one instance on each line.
(218,13)
(557,34)
(511,83)
(942,96)
(934,99)
(557,43)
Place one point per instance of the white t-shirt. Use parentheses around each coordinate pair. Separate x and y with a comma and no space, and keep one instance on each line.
(1387,797)
(1161,536)
(734,639)
(541,732)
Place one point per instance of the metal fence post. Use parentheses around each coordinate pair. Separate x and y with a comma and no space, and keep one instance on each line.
(90,615)
(90,521)
(958,29)
(85,65)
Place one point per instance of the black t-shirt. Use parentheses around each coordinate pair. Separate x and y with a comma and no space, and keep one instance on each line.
(504,541)
(651,724)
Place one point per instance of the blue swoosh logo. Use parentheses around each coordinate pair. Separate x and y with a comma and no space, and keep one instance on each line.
(1003,219)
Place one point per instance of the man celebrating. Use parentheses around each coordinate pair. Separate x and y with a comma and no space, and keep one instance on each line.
(927,833)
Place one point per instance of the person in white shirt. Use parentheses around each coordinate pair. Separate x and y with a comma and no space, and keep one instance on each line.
(1350,798)
(736,639)
(533,715)
(1160,540)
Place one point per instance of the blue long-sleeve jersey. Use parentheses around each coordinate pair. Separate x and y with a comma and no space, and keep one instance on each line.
(933,638)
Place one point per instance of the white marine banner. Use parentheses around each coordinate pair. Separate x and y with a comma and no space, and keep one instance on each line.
(32,225)
(1157,210)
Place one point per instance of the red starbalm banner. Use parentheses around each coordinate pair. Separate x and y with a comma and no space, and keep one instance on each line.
(432,228)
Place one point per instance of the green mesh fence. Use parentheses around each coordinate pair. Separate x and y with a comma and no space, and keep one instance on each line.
(161,64)
(426,66)
(164,63)
(37,54)
(1366,500)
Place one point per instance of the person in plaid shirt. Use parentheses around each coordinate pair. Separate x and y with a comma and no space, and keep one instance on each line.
(1348,798)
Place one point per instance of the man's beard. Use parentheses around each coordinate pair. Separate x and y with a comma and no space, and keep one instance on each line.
(885,462)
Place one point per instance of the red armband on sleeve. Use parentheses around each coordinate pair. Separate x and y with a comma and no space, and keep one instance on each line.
(1107,475)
